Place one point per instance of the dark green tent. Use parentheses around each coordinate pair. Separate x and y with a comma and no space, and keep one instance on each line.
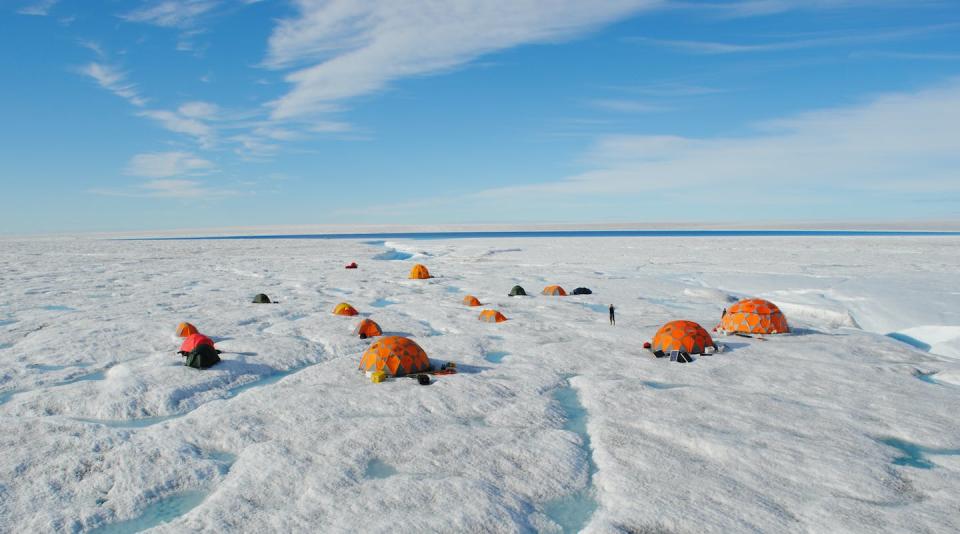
(261,299)
(517,290)
(582,291)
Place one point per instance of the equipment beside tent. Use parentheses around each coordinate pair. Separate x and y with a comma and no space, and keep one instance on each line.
(419,272)
(555,291)
(344,309)
(517,291)
(351,265)
(492,316)
(470,300)
(261,299)
(396,356)
(368,328)
(186,330)
(193,341)
(754,316)
(202,357)
(582,291)
(683,336)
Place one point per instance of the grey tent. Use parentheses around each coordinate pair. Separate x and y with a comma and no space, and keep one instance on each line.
(261,299)
(582,291)
(517,290)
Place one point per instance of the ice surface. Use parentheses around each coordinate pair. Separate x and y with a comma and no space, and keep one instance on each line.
(556,420)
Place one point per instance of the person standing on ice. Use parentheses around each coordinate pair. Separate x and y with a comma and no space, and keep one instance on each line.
(613,320)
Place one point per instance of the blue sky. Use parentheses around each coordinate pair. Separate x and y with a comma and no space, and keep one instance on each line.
(165,114)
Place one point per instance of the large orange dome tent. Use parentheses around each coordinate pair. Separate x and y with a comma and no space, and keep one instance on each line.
(344,309)
(684,336)
(419,272)
(754,316)
(368,328)
(396,356)
(492,316)
(555,291)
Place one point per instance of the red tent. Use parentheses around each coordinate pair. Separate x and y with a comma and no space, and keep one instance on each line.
(351,265)
(195,340)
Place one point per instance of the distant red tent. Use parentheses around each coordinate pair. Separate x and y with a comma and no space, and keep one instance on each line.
(351,265)
(194,341)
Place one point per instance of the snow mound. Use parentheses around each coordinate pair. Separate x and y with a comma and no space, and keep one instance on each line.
(816,316)
(710,294)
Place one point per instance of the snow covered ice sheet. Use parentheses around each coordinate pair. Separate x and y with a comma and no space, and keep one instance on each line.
(556,420)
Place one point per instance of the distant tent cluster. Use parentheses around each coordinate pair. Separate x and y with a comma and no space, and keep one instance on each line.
(399,356)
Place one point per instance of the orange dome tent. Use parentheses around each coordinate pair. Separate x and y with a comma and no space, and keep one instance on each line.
(396,356)
(685,336)
(419,272)
(754,316)
(555,291)
(344,309)
(470,300)
(186,330)
(368,328)
(492,316)
(195,340)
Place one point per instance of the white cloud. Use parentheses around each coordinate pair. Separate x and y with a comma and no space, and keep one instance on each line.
(815,41)
(756,8)
(904,142)
(626,106)
(360,47)
(198,110)
(168,188)
(93,46)
(40,8)
(114,80)
(166,164)
(172,13)
(178,189)
(178,122)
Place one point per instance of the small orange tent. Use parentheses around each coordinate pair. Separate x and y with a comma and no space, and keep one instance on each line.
(470,300)
(754,316)
(492,316)
(186,330)
(419,272)
(396,356)
(685,336)
(368,328)
(555,291)
(344,309)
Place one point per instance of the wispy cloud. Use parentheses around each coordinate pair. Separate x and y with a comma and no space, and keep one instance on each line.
(626,106)
(911,56)
(93,46)
(357,48)
(167,164)
(895,143)
(172,189)
(757,8)
(172,13)
(192,119)
(825,40)
(115,81)
(39,8)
